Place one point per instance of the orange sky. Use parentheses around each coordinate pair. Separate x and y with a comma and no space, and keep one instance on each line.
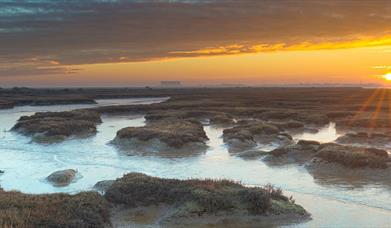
(138,43)
(352,65)
(347,65)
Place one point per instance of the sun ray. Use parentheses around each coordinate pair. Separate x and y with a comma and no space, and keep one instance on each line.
(375,114)
(389,107)
(364,106)
(347,99)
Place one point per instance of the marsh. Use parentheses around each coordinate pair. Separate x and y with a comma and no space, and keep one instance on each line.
(26,163)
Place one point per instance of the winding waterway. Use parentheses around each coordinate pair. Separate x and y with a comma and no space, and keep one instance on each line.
(27,164)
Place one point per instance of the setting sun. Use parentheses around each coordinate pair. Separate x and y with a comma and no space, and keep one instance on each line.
(387,76)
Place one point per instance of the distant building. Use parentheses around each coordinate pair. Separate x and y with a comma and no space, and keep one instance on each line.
(170,83)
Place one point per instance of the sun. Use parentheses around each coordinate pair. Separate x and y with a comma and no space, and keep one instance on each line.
(387,76)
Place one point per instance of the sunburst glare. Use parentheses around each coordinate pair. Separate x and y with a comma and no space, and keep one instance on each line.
(387,76)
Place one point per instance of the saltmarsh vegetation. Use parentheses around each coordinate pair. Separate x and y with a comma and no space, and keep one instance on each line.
(166,135)
(193,198)
(196,197)
(62,177)
(286,108)
(245,136)
(353,157)
(363,138)
(87,209)
(330,153)
(51,127)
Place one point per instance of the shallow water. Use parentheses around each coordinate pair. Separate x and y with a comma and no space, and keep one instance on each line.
(27,164)
(326,134)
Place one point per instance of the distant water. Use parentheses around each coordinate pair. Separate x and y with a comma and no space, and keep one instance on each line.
(27,164)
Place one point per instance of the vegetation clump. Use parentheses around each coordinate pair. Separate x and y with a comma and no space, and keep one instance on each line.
(183,114)
(312,153)
(196,197)
(49,127)
(301,152)
(87,209)
(353,157)
(62,178)
(6,104)
(298,116)
(364,138)
(164,135)
(221,119)
(289,125)
(246,136)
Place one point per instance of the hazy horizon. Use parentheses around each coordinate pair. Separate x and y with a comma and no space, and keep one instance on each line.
(211,85)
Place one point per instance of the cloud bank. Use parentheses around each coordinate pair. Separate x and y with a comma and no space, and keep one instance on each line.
(53,37)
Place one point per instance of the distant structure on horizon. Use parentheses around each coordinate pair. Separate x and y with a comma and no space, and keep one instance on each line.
(171,83)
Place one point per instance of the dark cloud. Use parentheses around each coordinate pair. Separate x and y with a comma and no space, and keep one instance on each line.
(35,70)
(36,34)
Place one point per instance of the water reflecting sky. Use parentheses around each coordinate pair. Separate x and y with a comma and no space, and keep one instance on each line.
(27,164)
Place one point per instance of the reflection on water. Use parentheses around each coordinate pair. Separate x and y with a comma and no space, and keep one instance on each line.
(133,101)
(329,212)
(27,164)
(324,135)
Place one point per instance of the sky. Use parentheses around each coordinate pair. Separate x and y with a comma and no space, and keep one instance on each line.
(199,42)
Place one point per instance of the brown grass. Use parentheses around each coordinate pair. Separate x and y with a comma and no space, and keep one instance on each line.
(58,125)
(175,133)
(353,157)
(86,209)
(209,196)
